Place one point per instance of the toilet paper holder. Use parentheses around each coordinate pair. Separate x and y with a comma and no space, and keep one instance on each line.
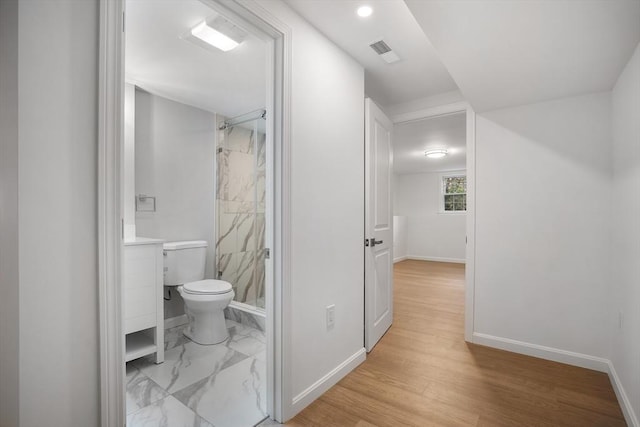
(142,203)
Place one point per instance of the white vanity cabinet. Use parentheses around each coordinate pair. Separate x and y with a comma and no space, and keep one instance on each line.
(142,294)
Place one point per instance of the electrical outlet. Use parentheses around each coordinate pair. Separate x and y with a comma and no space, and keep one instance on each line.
(620,320)
(331,316)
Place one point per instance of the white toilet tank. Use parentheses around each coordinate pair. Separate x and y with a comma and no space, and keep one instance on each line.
(184,261)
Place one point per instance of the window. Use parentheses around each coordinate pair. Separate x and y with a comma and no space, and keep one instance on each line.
(454,193)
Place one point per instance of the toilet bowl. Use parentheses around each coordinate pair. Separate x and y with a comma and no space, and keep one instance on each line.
(205,301)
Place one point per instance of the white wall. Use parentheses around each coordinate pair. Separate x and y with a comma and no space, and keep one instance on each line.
(327,203)
(174,161)
(9,303)
(400,237)
(431,235)
(129,162)
(58,121)
(400,232)
(543,223)
(625,255)
(175,157)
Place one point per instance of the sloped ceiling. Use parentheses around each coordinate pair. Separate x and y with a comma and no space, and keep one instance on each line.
(506,53)
(418,74)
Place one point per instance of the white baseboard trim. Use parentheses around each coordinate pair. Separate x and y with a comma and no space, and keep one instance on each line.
(548,353)
(303,399)
(568,357)
(402,258)
(176,321)
(623,399)
(437,259)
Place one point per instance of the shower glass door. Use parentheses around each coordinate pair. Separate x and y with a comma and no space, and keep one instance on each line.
(240,207)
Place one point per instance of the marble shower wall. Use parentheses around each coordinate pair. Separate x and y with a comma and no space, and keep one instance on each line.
(240,201)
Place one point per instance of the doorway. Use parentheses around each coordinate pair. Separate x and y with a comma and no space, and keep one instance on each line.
(434,184)
(196,129)
(116,224)
(452,189)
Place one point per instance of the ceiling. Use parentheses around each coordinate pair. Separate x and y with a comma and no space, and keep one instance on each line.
(412,139)
(420,72)
(159,61)
(507,53)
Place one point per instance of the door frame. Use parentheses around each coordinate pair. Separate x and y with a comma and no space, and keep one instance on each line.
(470,252)
(110,209)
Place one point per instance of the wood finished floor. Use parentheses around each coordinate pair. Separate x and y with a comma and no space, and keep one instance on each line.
(422,373)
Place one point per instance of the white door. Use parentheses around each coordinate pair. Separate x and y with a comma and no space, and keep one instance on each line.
(378,272)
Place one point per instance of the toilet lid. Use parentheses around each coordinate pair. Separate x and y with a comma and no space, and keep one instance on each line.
(207,287)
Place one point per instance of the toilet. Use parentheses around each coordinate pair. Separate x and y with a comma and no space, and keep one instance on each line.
(204,300)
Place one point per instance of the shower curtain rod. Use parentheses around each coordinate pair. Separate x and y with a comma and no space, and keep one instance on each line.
(243,118)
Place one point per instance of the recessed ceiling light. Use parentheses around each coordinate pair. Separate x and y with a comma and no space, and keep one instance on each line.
(365,11)
(436,154)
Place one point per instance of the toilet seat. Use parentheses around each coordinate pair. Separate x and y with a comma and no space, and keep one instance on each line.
(207,287)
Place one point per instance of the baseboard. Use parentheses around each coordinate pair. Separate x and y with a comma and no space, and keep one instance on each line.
(172,322)
(549,353)
(245,314)
(402,258)
(325,383)
(436,259)
(623,399)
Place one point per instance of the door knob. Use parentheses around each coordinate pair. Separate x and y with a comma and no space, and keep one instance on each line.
(373,242)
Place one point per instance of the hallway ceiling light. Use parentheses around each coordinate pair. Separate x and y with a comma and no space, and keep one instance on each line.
(436,154)
(364,11)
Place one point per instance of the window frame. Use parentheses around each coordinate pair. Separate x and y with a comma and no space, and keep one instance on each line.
(442,194)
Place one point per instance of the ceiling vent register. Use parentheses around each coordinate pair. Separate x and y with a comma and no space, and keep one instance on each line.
(384,51)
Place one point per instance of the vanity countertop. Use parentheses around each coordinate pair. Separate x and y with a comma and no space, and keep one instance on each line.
(143,241)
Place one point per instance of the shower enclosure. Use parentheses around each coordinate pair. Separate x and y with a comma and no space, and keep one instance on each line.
(240,207)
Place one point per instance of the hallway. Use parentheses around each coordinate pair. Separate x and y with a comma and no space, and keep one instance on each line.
(422,373)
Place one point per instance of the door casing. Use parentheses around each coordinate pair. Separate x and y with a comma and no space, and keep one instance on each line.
(110,207)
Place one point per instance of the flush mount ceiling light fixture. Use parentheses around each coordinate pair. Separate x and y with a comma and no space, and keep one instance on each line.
(218,32)
(213,37)
(364,11)
(436,154)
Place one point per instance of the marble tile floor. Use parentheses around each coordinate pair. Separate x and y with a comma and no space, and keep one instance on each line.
(222,385)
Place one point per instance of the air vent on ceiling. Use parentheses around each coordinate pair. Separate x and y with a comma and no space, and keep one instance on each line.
(385,52)
(380,47)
